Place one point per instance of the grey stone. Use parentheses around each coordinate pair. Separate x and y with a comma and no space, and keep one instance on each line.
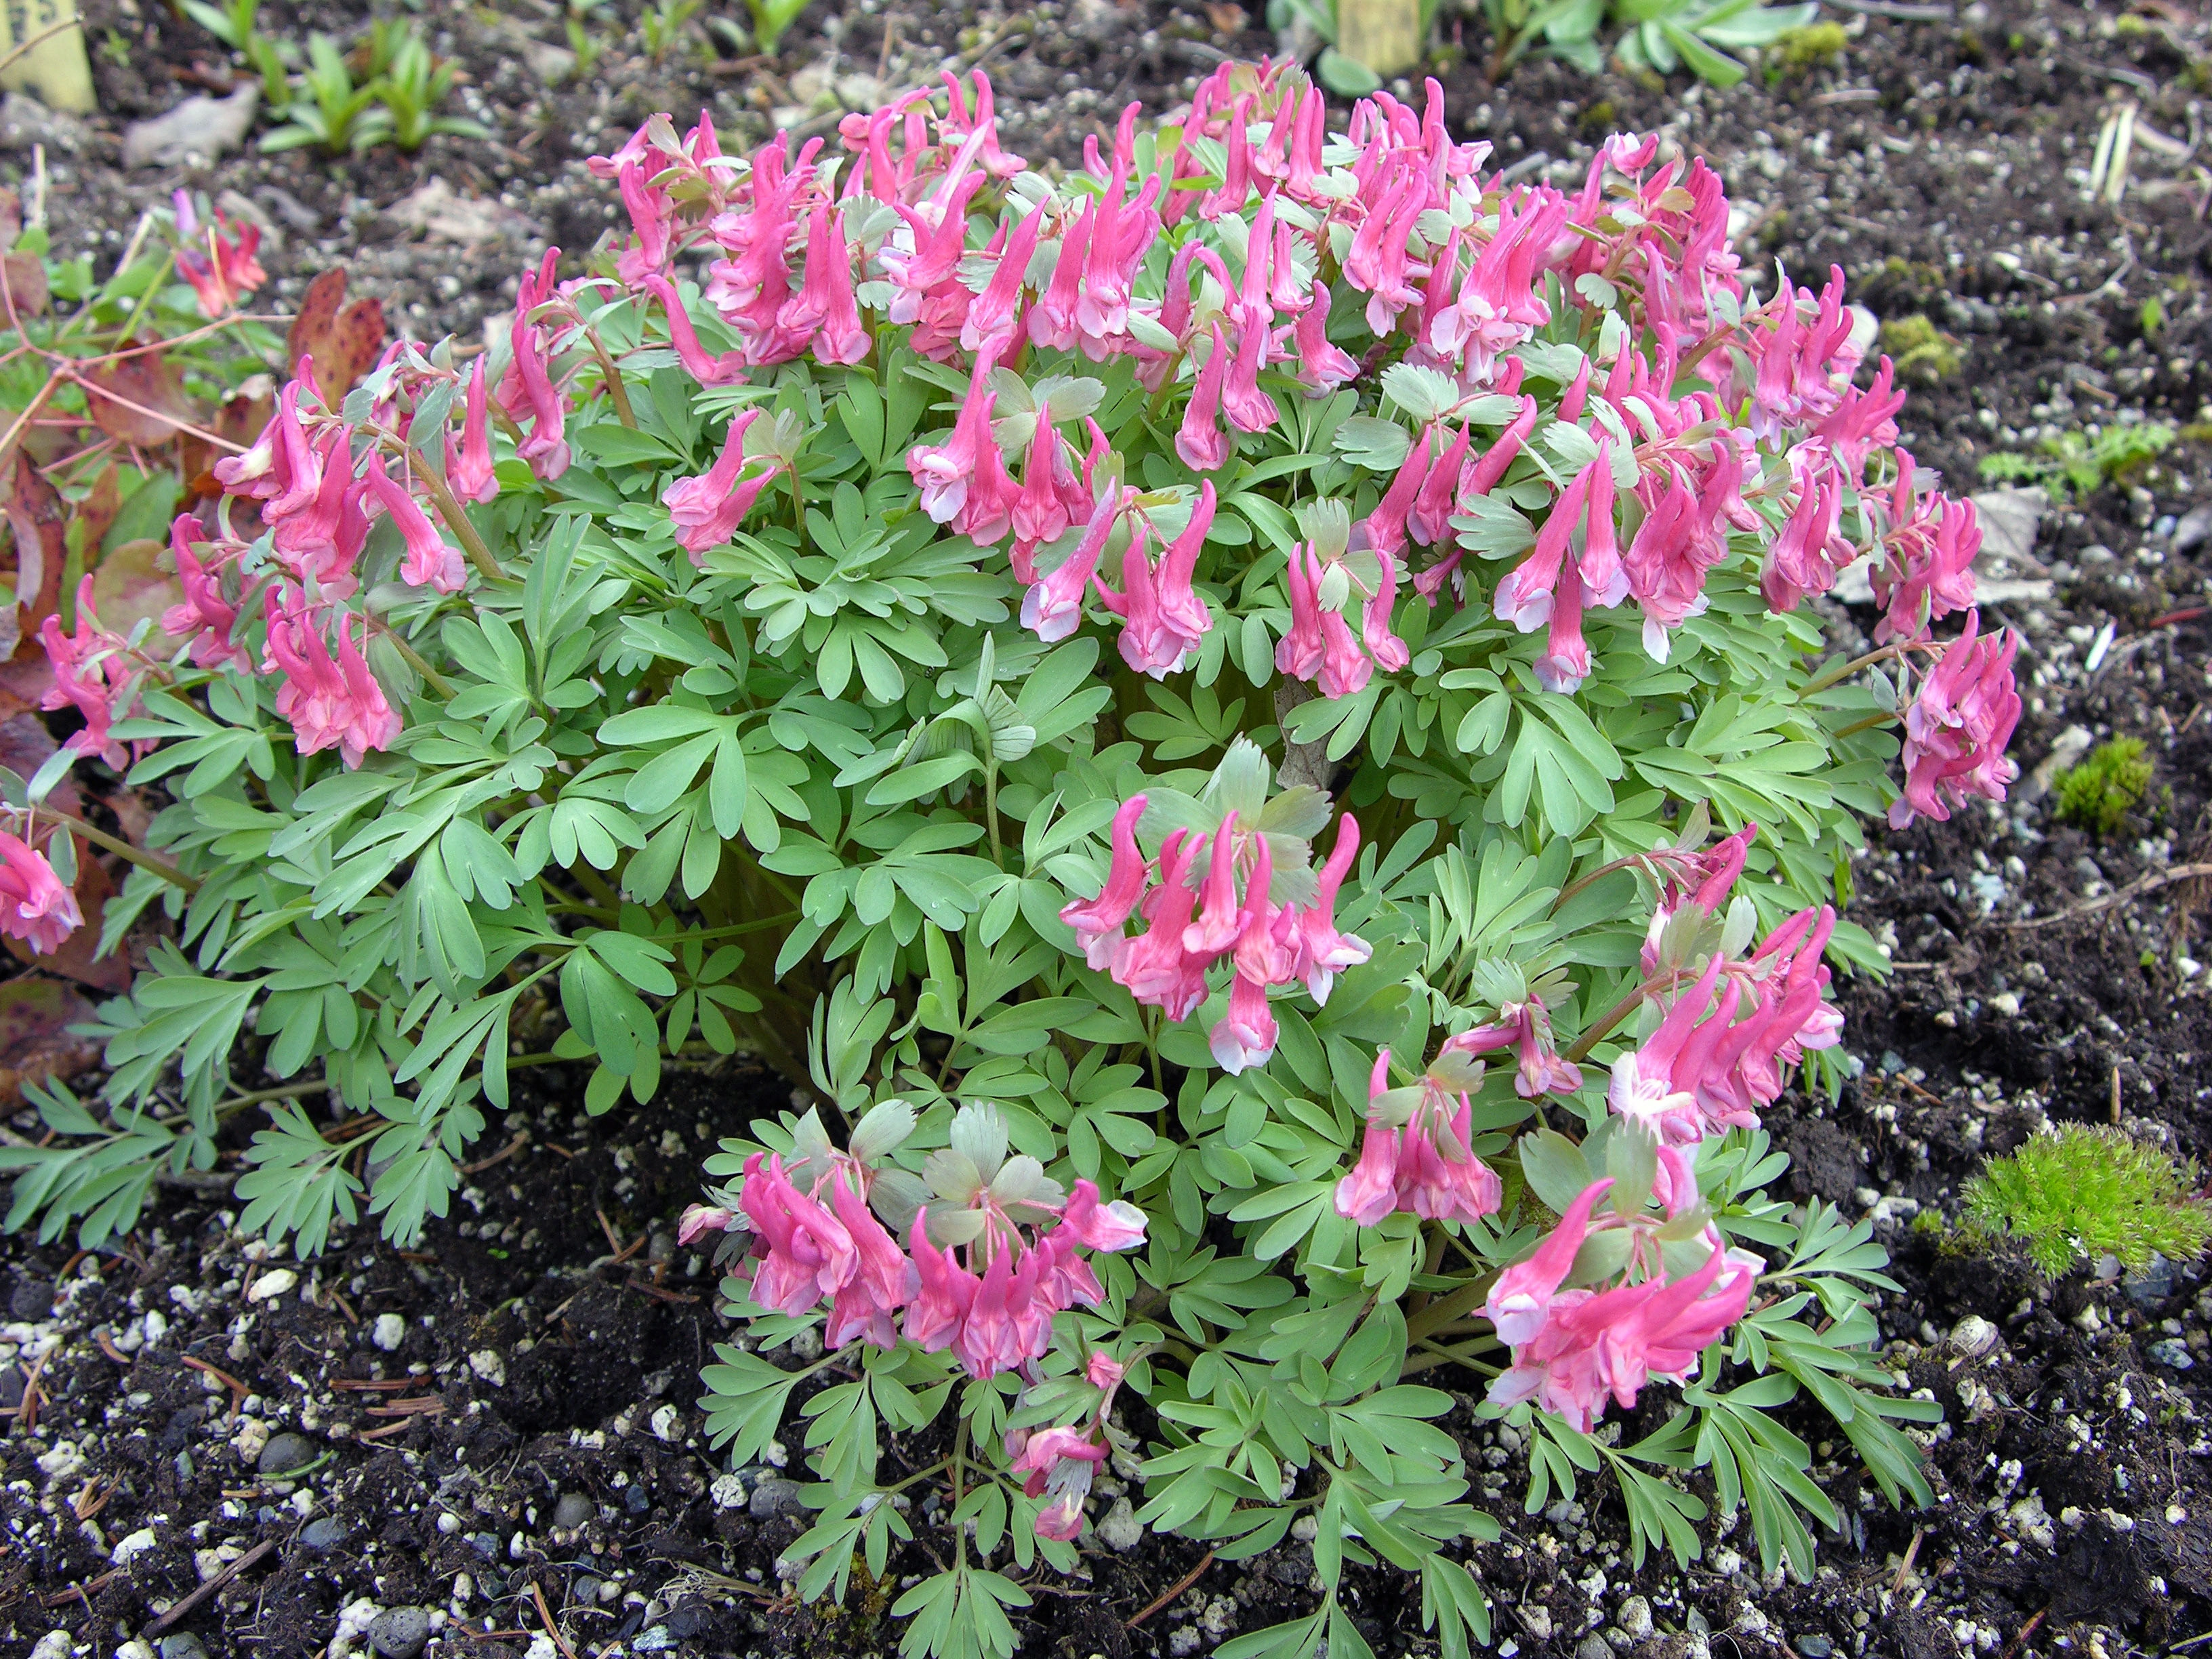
(574,1509)
(2173,1353)
(33,1300)
(2152,1285)
(1636,1618)
(400,1633)
(24,121)
(200,128)
(486,1543)
(1593,1646)
(774,1497)
(2196,524)
(324,1533)
(1118,1529)
(585,1590)
(1814,1645)
(183,1645)
(285,1453)
(657,1639)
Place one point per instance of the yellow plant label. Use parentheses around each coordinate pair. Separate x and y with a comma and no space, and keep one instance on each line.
(55,70)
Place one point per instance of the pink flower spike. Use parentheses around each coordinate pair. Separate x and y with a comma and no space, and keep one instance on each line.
(468,466)
(205,616)
(698,362)
(1008,1323)
(546,449)
(825,308)
(1246,1036)
(1221,918)
(1154,966)
(963,481)
(810,1254)
(652,215)
(1097,922)
(1183,613)
(1323,952)
(34,906)
(708,507)
(1054,606)
(430,561)
(1520,1298)
(700,1219)
(370,721)
(1201,443)
(1957,726)
(1104,1372)
(993,322)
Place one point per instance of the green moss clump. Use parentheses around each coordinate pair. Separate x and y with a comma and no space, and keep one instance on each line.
(1923,354)
(2077,1193)
(1799,51)
(2098,794)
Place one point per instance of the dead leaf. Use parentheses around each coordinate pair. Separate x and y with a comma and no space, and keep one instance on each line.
(97,511)
(1229,20)
(156,403)
(35,1041)
(23,276)
(39,518)
(25,746)
(343,339)
(130,583)
(74,960)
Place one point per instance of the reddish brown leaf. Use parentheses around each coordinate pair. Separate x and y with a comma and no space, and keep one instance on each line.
(343,339)
(35,1041)
(147,405)
(97,511)
(23,277)
(130,583)
(39,518)
(74,960)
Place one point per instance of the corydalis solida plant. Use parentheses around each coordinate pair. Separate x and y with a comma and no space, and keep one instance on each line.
(1160,683)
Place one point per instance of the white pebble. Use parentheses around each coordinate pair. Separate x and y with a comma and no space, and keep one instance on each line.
(136,1544)
(272,1284)
(667,1424)
(389,1332)
(489,1364)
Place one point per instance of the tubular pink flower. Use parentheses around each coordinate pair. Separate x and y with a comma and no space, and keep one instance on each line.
(1200,442)
(34,906)
(1183,614)
(963,481)
(993,322)
(811,1255)
(708,507)
(205,616)
(1322,366)
(945,1292)
(331,703)
(545,448)
(1154,966)
(652,215)
(862,1307)
(93,674)
(1246,1034)
(1221,916)
(1322,952)
(1521,1297)
(1566,663)
(1957,726)
(469,467)
(431,561)
(1053,607)
(1097,922)
(1008,1323)
(1111,1227)
(825,310)
(1926,570)
(1810,553)
(699,363)
(1299,652)
(700,1219)
(1386,524)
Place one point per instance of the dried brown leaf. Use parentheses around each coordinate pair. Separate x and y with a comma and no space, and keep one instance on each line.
(343,339)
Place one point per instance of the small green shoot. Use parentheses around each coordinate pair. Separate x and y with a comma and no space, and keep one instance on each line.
(2077,1193)
(1799,51)
(771,18)
(412,89)
(233,25)
(331,111)
(2098,794)
(2074,464)
(663,25)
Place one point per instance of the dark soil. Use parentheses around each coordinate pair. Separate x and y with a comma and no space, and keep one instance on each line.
(550,1330)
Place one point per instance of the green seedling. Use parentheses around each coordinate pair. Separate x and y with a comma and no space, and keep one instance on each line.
(2098,795)
(2078,1193)
(333,113)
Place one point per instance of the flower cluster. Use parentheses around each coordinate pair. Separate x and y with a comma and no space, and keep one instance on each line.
(1060,1461)
(1231,881)
(217,260)
(992,1241)
(35,905)
(1574,1347)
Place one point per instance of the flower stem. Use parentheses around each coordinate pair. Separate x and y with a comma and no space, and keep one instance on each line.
(457,521)
(124,850)
(613,376)
(413,658)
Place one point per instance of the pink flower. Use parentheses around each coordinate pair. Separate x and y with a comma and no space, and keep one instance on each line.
(282,470)
(1926,567)
(94,674)
(1810,553)
(34,906)
(1097,922)
(699,363)
(810,1254)
(1322,366)
(225,272)
(1417,1159)
(1956,728)
(1104,1372)
(1521,1297)
(708,507)
(1499,307)
(1059,1461)
(652,215)
(825,308)
(1246,1034)
(1864,423)
(331,703)
(546,449)
(1112,1227)
(1222,914)
(1322,952)
(468,466)
(1801,369)
(1526,1027)
(945,1292)
(862,1306)
(1154,966)
(963,481)
(1201,443)
(431,561)
(1053,605)
(700,1219)
(205,615)
(993,322)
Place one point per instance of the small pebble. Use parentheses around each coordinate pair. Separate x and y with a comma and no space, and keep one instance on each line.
(389,1332)
(183,1645)
(285,1453)
(1814,1645)
(323,1534)
(1118,1529)
(773,1496)
(2173,1353)
(400,1633)
(574,1509)
(272,1284)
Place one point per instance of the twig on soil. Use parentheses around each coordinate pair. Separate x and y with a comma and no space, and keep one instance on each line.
(238,1390)
(107,1346)
(655,1291)
(427,1405)
(2137,889)
(1905,1567)
(499,1157)
(353,1384)
(1174,1589)
(1899,8)
(552,1629)
(2026,1630)
(387,1430)
(82,1592)
(177,1613)
(26,1413)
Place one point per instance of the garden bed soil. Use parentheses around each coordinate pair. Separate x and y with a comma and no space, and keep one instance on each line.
(530,1443)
